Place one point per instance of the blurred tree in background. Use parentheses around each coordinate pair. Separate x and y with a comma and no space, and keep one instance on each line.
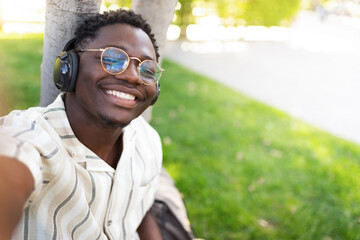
(183,14)
(240,12)
(231,12)
(270,13)
(119,3)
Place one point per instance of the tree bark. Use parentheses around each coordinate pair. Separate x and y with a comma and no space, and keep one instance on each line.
(159,14)
(61,20)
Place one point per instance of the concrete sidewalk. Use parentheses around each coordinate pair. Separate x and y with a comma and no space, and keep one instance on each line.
(314,76)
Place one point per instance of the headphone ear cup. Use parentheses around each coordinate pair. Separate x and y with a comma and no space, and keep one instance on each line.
(157,93)
(66,71)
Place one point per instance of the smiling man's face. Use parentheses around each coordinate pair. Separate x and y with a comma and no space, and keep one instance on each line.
(114,99)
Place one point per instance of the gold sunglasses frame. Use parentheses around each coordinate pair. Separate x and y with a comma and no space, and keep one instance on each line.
(102,50)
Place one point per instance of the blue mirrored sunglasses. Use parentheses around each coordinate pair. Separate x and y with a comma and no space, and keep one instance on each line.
(115,61)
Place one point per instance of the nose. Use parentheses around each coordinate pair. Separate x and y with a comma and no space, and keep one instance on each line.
(131,73)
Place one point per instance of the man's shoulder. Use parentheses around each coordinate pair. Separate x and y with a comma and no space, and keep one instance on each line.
(147,138)
(148,148)
(34,118)
(142,127)
(22,116)
(139,121)
(31,114)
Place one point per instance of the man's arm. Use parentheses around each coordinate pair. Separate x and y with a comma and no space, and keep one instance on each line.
(16,184)
(149,229)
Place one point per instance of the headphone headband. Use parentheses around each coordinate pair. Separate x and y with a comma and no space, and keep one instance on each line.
(70,45)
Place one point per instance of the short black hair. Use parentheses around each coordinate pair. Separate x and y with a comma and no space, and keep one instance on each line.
(90,27)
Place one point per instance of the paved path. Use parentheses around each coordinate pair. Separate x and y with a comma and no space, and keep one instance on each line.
(314,76)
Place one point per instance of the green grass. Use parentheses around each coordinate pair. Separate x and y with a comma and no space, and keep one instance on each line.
(246,170)
(20,59)
(249,171)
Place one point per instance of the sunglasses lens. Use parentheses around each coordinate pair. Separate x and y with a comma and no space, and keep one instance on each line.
(114,60)
(150,71)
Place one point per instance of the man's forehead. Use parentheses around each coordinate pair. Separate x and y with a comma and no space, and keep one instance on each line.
(124,36)
(121,31)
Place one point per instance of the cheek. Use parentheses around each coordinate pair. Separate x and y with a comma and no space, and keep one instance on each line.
(87,77)
(90,69)
(83,83)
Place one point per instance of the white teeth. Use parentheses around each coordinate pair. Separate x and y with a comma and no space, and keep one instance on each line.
(121,95)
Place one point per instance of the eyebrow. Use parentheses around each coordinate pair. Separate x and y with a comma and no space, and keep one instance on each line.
(146,57)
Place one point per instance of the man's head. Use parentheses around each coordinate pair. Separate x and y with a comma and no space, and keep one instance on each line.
(101,95)
(89,28)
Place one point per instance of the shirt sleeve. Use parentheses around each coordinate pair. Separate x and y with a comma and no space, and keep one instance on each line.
(155,163)
(13,144)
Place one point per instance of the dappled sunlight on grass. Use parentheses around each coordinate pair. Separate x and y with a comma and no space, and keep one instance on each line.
(322,153)
(175,169)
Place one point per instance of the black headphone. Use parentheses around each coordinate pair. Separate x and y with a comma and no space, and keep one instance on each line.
(66,69)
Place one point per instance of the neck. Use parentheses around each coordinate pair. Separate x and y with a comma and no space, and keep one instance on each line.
(104,140)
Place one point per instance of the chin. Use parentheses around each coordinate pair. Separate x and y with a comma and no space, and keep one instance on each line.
(115,123)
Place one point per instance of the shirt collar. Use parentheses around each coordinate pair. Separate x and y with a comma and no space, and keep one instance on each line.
(56,116)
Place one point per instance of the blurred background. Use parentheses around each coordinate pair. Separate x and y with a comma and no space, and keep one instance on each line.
(258,111)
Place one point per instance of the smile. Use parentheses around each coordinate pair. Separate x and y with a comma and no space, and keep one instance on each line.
(121,95)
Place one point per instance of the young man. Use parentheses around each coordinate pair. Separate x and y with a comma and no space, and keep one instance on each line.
(87,166)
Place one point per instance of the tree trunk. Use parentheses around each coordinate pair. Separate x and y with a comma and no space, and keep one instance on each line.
(61,20)
(159,14)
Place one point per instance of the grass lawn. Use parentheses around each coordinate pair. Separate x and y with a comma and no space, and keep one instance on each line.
(20,59)
(246,170)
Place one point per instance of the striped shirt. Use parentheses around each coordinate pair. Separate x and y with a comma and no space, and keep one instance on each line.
(77,195)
